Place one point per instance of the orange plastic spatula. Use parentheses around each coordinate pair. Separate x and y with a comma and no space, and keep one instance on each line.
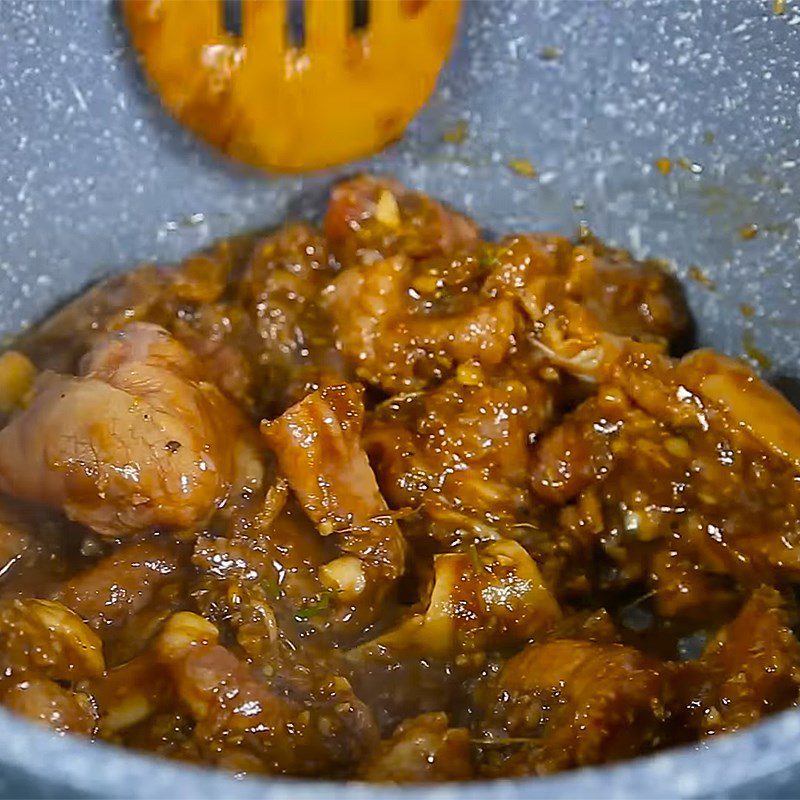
(291,85)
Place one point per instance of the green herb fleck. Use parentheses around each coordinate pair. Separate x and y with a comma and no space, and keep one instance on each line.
(475,558)
(506,741)
(271,589)
(322,604)
(488,260)
(457,134)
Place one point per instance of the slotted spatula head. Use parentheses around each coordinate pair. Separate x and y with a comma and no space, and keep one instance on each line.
(350,87)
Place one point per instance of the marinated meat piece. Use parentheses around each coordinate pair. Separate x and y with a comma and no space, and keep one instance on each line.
(640,300)
(189,301)
(578,452)
(401,343)
(317,444)
(741,496)
(463,446)
(671,490)
(422,750)
(371,218)
(685,588)
(749,669)
(285,272)
(322,432)
(235,709)
(122,583)
(59,344)
(219,336)
(131,693)
(42,646)
(585,301)
(280,289)
(490,597)
(263,578)
(164,296)
(579,703)
(283,550)
(50,639)
(747,402)
(47,703)
(137,442)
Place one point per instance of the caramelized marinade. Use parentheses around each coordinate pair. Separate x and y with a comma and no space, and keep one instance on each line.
(386,501)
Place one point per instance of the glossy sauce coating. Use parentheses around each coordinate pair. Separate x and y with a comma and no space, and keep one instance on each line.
(386,501)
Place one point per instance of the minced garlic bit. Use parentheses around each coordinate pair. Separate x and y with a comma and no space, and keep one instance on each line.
(345,576)
(699,276)
(522,167)
(17,374)
(387,211)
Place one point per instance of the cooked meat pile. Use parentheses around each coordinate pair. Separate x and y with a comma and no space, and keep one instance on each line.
(386,501)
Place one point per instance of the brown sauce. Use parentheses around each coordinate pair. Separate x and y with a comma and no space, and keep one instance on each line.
(386,501)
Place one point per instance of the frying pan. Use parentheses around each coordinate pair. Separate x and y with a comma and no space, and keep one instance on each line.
(601,97)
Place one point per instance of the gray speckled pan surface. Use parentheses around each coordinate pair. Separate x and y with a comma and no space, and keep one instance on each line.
(93,178)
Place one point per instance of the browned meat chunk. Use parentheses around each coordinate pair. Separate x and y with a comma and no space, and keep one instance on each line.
(490,597)
(280,291)
(317,444)
(749,669)
(400,341)
(576,453)
(746,402)
(262,579)
(49,638)
(371,218)
(579,703)
(122,583)
(137,442)
(677,489)
(234,708)
(640,300)
(423,749)
(463,446)
(50,704)
(585,302)
(44,646)
(131,693)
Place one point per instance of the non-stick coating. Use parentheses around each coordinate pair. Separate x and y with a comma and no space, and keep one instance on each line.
(94,177)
